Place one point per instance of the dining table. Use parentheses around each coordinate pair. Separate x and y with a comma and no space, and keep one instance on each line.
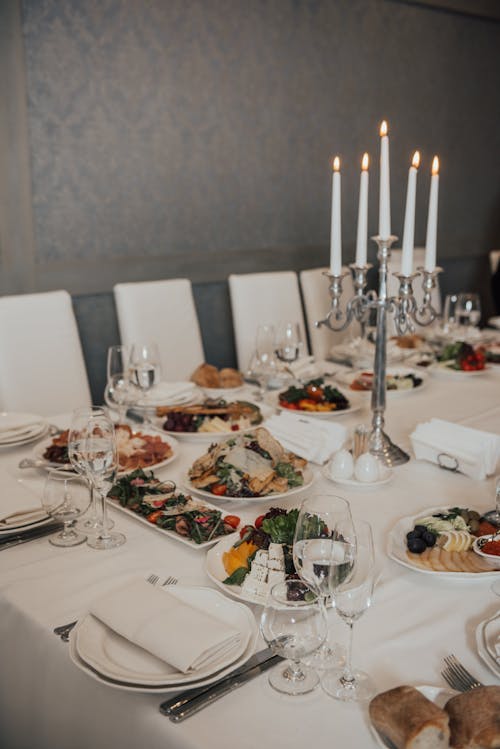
(415,619)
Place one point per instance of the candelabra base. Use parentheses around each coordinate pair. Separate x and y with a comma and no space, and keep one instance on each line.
(386,451)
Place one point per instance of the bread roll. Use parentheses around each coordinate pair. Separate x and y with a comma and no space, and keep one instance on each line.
(230,378)
(206,376)
(475,719)
(409,719)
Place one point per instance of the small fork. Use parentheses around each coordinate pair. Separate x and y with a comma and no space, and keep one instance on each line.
(457,676)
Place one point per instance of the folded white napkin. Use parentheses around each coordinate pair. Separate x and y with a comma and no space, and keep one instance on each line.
(309,438)
(471,451)
(180,634)
(17,422)
(304,367)
(166,393)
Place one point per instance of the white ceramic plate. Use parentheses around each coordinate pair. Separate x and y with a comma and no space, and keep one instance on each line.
(161,395)
(171,534)
(355,405)
(438,370)
(396,549)
(438,695)
(487,634)
(7,531)
(20,428)
(348,378)
(213,436)
(386,476)
(308,479)
(42,446)
(494,322)
(227,393)
(114,657)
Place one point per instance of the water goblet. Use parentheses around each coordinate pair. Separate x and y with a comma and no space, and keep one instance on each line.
(65,498)
(324,548)
(352,597)
(264,360)
(99,456)
(289,344)
(294,625)
(118,395)
(144,366)
(449,313)
(79,421)
(468,310)
(117,360)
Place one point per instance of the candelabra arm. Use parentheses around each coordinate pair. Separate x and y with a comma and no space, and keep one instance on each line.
(336,318)
(426,314)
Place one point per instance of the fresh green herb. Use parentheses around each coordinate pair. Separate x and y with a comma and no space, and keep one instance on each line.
(281,528)
(287,471)
(237,577)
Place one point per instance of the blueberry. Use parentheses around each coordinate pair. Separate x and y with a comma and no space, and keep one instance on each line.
(417,545)
(412,534)
(429,538)
(421,529)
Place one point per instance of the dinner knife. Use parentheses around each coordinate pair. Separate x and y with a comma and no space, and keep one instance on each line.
(21,538)
(192,700)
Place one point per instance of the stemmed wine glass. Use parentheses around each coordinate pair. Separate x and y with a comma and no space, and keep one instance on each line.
(264,362)
(79,421)
(294,625)
(324,549)
(144,365)
(65,497)
(352,597)
(468,310)
(117,394)
(99,457)
(288,345)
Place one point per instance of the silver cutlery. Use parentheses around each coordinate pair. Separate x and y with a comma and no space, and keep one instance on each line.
(64,630)
(40,463)
(193,700)
(7,541)
(457,676)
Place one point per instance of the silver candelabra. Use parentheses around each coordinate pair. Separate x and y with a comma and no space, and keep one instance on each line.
(406,313)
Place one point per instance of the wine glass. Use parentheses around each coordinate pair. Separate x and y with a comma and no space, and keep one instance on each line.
(294,625)
(264,361)
(99,456)
(468,310)
(79,421)
(144,366)
(450,312)
(289,344)
(324,548)
(65,498)
(352,597)
(117,394)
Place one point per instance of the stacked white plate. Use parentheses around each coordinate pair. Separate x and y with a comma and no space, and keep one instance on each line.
(20,428)
(488,643)
(171,394)
(113,660)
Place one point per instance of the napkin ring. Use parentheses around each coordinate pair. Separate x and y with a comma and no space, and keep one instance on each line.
(448,462)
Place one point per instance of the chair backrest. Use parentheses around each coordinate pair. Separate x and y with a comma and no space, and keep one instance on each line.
(317,303)
(42,369)
(494,260)
(258,298)
(162,312)
(393,283)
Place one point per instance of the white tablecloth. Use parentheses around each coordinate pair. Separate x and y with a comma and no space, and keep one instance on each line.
(415,619)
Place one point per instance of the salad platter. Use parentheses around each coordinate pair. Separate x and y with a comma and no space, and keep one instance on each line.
(247,564)
(314,398)
(248,466)
(438,542)
(143,448)
(460,359)
(399,381)
(308,480)
(172,513)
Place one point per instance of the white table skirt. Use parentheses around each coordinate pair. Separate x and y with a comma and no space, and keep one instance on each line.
(415,619)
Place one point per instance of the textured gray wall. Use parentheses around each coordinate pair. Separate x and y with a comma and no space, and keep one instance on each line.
(184,137)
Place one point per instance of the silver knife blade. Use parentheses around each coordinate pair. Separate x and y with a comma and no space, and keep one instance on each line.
(192,701)
(22,538)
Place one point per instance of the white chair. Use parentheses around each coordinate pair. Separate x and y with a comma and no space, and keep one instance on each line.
(317,302)
(393,284)
(162,312)
(258,298)
(42,369)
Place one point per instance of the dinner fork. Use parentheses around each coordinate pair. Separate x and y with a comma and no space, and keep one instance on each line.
(457,676)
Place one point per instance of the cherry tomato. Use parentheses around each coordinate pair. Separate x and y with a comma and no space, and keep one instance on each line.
(259,521)
(218,489)
(153,516)
(315,393)
(232,520)
(246,529)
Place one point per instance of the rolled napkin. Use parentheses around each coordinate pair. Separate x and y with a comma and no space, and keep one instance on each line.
(22,517)
(169,393)
(184,636)
(304,367)
(309,438)
(470,451)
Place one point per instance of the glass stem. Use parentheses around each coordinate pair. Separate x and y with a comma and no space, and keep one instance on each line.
(104,532)
(348,675)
